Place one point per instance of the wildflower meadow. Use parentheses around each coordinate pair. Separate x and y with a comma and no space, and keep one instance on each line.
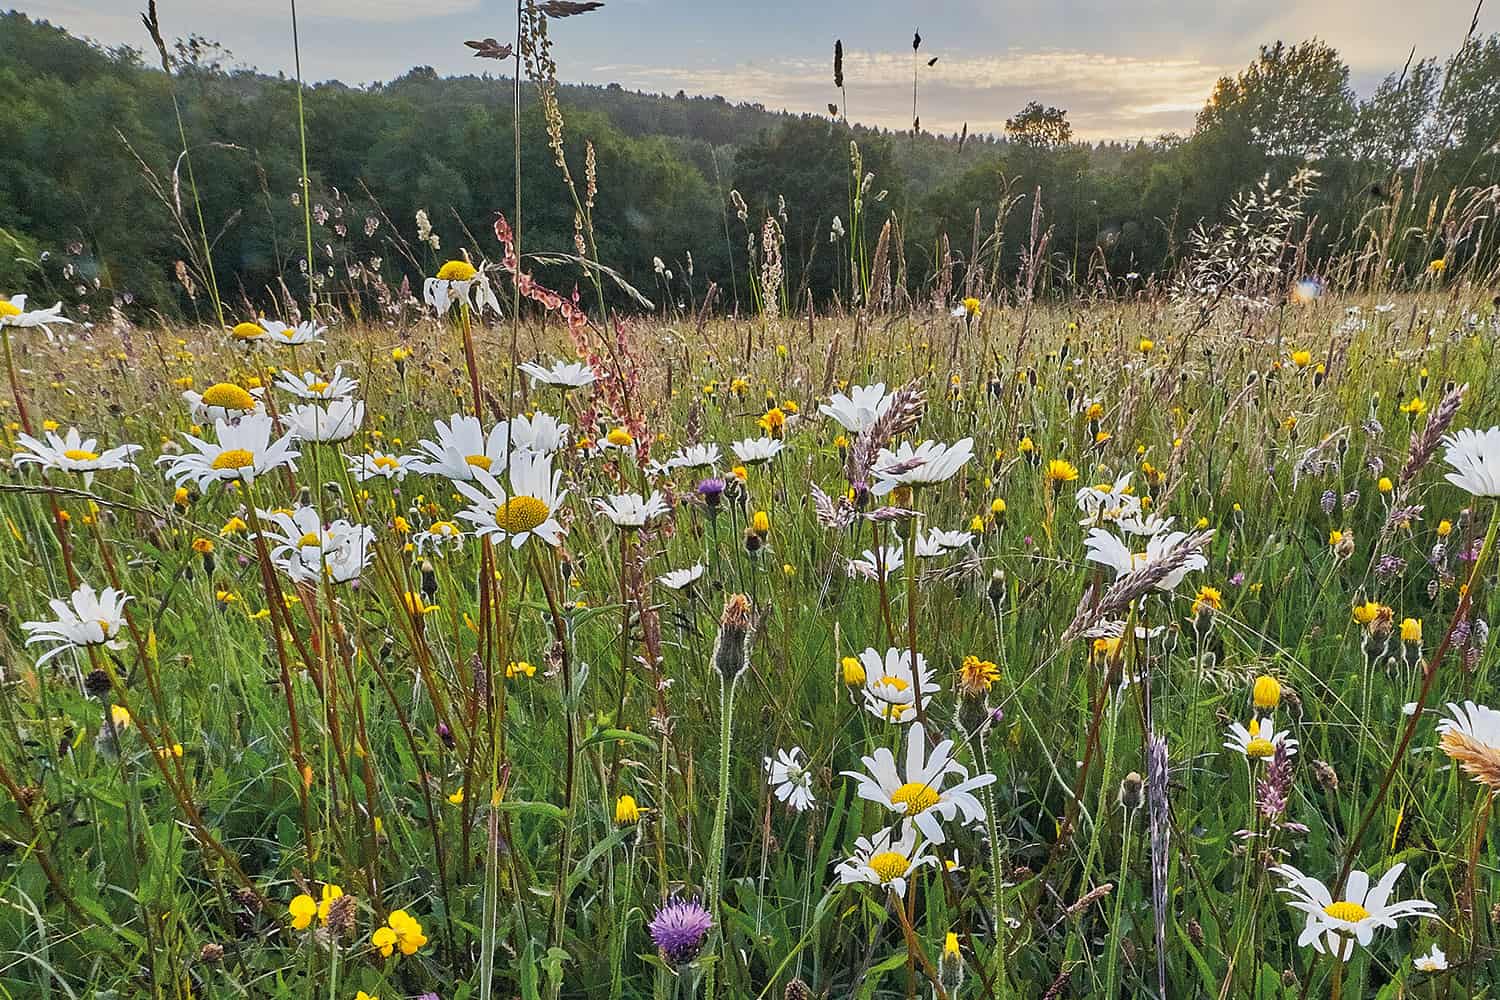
(516,637)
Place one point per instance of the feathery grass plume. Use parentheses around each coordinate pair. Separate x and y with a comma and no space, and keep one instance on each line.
(907,407)
(1159,820)
(1424,443)
(1124,591)
(1478,759)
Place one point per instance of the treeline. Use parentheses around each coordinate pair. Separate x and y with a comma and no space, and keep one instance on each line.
(97,206)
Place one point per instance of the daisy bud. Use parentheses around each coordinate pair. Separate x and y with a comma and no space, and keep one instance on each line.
(996,590)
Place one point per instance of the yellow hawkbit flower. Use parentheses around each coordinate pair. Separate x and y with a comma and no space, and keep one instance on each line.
(1438,266)
(1301,358)
(1061,471)
(1267,692)
(234,526)
(760,523)
(203,546)
(1335,538)
(400,354)
(854,671)
(1411,630)
(417,606)
(997,507)
(627,813)
(120,716)
(977,525)
(1209,599)
(1414,407)
(976,676)
(1366,612)
(1147,345)
(457,798)
(1444,528)
(773,422)
(1385,485)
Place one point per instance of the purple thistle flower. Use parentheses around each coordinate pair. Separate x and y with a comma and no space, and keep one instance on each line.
(711,490)
(679,929)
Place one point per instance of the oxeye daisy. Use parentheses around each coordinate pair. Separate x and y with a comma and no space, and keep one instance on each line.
(308,551)
(937,542)
(1475,458)
(462,449)
(1335,925)
(380,465)
(437,536)
(791,780)
(540,432)
(889,687)
(752,451)
(677,579)
(331,422)
(528,509)
(85,619)
(695,456)
(887,859)
(859,410)
(925,797)
(306,332)
(458,281)
(73,452)
(13,312)
(924,465)
(877,565)
(243,451)
(560,374)
(223,401)
(1259,739)
(310,385)
(1106,502)
(629,510)
(1106,548)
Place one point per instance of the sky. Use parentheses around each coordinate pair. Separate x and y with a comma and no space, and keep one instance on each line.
(1122,70)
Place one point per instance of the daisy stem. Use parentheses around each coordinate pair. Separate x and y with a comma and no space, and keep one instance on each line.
(1113,949)
(997,863)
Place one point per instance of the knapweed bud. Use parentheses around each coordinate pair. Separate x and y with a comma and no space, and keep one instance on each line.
(429,580)
(797,990)
(732,647)
(1130,791)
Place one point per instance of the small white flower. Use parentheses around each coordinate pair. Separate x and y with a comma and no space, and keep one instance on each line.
(925,798)
(873,565)
(540,432)
(859,410)
(1338,925)
(243,450)
(560,375)
(1106,548)
(629,510)
(791,781)
(694,457)
(1106,502)
(1433,961)
(336,420)
(13,312)
(310,385)
(923,465)
(680,578)
(85,619)
(306,550)
(438,536)
(885,859)
(1475,457)
(938,542)
(753,450)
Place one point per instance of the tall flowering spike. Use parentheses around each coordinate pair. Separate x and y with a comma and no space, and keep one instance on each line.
(736,627)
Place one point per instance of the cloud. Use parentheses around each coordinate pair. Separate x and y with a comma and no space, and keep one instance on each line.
(1106,96)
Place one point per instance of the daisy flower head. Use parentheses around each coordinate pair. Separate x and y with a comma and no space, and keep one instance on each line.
(1259,739)
(380,465)
(306,332)
(459,282)
(311,385)
(462,449)
(858,411)
(540,432)
(937,542)
(873,565)
(223,401)
(1470,735)
(887,859)
(1434,961)
(439,535)
(1475,458)
(791,779)
(678,579)
(560,374)
(13,312)
(309,551)
(925,796)
(86,619)
(1107,549)
(629,510)
(243,450)
(679,929)
(1335,925)
(755,450)
(924,465)
(1106,502)
(527,509)
(72,452)
(890,688)
(696,456)
(331,422)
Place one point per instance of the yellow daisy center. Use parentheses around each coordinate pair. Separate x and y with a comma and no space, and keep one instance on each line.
(479,461)
(234,458)
(620,438)
(895,683)
(79,455)
(521,513)
(1345,910)
(247,331)
(889,865)
(9,308)
(385,462)
(456,270)
(311,538)
(444,528)
(1259,748)
(230,397)
(915,797)
(317,387)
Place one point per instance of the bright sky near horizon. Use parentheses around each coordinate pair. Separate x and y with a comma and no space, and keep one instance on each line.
(1123,70)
